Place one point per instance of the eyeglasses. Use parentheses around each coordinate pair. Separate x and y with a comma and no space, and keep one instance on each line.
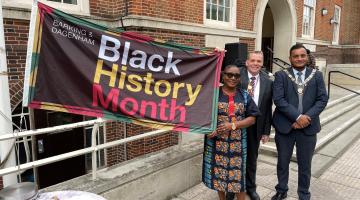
(232,75)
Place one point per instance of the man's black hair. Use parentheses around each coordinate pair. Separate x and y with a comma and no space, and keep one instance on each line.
(297,46)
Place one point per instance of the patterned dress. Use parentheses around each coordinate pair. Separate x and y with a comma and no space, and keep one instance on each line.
(224,161)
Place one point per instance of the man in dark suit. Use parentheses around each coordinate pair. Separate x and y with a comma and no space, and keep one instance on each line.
(259,86)
(300,96)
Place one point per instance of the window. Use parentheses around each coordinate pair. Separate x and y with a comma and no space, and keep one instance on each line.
(220,12)
(308,18)
(336,25)
(78,7)
(66,1)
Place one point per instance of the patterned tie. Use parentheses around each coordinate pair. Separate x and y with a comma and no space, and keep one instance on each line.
(251,87)
(299,81)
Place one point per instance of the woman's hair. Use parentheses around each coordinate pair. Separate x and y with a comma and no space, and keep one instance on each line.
(229,66)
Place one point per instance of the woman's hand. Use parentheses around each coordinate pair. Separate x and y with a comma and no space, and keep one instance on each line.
(213,134)
(224,128)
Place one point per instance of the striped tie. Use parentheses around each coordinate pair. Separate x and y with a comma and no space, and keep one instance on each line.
(299,80)
(252,88)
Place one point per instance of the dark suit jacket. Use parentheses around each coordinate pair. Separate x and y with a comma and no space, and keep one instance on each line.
(286,100)
(263,122)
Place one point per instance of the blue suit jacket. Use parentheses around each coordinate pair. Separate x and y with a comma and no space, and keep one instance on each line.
(286,100)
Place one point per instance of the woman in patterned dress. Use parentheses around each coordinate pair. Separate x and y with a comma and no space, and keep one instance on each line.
(225,149)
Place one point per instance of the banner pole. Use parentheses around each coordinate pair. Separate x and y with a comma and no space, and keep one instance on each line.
(29,52)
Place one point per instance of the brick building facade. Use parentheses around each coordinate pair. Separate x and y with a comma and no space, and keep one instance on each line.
(329,28)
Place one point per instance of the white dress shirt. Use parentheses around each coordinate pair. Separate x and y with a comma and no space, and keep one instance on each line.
(302,75)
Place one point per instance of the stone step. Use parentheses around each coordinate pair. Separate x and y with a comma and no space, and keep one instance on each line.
(335,106)
(336,109)
(332,126)
(335,102)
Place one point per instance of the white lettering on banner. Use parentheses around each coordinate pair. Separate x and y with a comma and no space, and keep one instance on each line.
(72,32)
(104,47)
(109,50)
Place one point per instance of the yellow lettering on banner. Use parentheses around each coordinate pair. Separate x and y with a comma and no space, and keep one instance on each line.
(132,79)
(192,95)
(177,86)
(122,78)
(167,88)
(148,79)
(99,71)
(146,84)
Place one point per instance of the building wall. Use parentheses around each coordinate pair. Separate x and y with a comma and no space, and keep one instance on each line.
(299,4)
(107,8)
(16,36)
(324,29)
(245,10)
(186,10)
(115,131)
(189,11)
(351,25)
(332,55)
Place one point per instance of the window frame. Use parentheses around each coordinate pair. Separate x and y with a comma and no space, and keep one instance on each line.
(336,26)
(82,7)
(222,24)
(311,21)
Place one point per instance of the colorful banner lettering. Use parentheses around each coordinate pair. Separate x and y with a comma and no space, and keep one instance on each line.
(83,68)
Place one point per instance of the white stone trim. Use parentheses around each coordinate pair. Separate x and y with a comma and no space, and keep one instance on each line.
(219,41)
(285,25)
(152,22)
(16,13)
(326,43)
(258,21)
(313,41)
(345,46)
(335,42)
(82,8)
(148,22)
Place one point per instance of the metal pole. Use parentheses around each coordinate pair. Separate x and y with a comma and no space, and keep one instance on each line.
(5,108)
(93,144)
(33,142)
(329,82)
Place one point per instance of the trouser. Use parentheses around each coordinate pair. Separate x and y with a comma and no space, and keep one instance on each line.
(305,146)
(253,143)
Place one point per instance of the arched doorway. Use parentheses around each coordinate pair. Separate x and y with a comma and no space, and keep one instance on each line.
(282,34)
(267,40)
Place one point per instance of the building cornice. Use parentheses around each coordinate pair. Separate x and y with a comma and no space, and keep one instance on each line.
(145,22)
(345,46)
(313,41)
(152,22)
(16,13)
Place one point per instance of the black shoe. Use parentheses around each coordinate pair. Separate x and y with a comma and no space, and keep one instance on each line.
(230,196)
(253,195)
(279,196)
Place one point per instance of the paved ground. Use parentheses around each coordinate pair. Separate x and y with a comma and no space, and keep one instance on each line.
(340,181)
